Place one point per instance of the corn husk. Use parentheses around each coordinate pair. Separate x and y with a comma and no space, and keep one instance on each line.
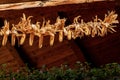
(13,38)
(4,41)
(69,36)
(22,40)
(52,37)
(61,36)
(40,41)
(31,39)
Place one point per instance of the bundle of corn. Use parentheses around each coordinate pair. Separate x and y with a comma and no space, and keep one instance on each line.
(97,27)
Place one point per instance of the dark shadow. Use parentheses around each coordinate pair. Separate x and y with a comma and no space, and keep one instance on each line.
(85,52)
(23,56)
(1,22)
(62,14)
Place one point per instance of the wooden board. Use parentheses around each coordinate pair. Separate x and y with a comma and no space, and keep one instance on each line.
(10,57)
(22,4)
(54,55)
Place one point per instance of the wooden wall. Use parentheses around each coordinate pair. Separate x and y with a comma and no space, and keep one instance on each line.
(9,58)
(96,50)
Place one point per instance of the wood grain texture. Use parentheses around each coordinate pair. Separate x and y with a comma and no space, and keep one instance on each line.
(52,2)
(54,55)
(22,4)
(10,57)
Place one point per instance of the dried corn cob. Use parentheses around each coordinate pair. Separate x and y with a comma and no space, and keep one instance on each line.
(5,32)
(40,41)
(13,35)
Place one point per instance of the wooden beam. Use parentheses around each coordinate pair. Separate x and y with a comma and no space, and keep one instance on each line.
(31,4)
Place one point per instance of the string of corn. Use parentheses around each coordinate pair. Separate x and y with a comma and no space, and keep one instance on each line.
(78,28)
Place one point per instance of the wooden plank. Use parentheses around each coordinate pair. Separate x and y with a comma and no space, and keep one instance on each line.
(15,54)
(30,4)
(54,53)
(68,60)
(54,50)
(47,53)
(5,58)
(54,58)
(10,57)
(13,1)
(102,50)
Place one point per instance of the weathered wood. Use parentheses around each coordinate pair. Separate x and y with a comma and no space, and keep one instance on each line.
(13,1)
(10,57)
(22,4)
(52,55)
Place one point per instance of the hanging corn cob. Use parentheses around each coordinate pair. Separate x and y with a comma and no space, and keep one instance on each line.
(59,27)
(97,27)
(5,32)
